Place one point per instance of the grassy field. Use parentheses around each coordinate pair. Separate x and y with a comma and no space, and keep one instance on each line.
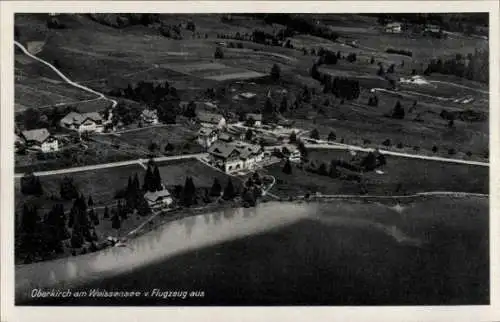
(100,184)
(175,172)
(401,176)
(120,57)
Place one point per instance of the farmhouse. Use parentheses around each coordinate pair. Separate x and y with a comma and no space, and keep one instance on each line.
(86,122)
(206,136)
(245,96)
(149,117)
(393,27)
(257,118)
(158,199)
(234,156)
(432,29)
(211,120)
(40,139)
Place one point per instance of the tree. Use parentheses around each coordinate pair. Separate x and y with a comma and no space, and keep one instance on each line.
(216,189)
(315,134)
(369,162)
(399,112)
(372,60)
(332,136)
(190,111)
(219,54)
(303,150)
(387,142)
(188,192)
(390,70)
(287,168)
(149,184)
(90,202)
(31,185)
(333,172)
(283,105)
(434,149)
(275,72)
(293,137)
(31,118)
(169,147)
(106,213)
(249,135)
(157,179)
(115,221)
(229,191)
(373,100)
(67,189)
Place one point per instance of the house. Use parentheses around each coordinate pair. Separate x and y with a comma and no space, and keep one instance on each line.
(206,137)
(256,117)
(149,116)
(86,122)
(245,96)
(432,29)
(295,156)
(393,27)
(211,120)
(158,199)
(40,139)
(234,156)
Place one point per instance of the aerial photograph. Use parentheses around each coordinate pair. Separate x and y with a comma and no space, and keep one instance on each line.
(251,159)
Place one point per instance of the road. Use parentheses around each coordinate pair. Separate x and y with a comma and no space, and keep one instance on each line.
(347,147)
(114,164)
(418,194)
(64,77)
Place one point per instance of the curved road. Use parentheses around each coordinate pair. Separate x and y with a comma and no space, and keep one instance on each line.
(66,79)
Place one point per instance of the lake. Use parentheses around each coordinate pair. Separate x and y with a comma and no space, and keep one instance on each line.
(425,252)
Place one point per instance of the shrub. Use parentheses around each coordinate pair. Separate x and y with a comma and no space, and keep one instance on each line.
(219,54)
(452,151)
(469,154)
(387,142)
(434,149)
(399,52)
(400,145)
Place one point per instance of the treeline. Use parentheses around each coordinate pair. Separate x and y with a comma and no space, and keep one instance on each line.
(399,52)
(161,96)
(299,24)
(122,20)
(461,22)
(473,66)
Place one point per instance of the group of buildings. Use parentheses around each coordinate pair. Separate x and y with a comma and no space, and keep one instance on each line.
(397,27)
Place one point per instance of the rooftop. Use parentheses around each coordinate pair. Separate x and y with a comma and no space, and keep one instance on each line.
(206,117)
(38,135)
(154,196)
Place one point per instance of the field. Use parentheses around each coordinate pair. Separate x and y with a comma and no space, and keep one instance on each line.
(400,176)
(121,57)
(175,172)
(100,184)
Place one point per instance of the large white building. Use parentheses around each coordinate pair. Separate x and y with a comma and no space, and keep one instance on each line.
(235,156)
(41,140)
(86,122)
(393,27)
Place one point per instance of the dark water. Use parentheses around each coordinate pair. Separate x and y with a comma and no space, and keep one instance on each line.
(430,253)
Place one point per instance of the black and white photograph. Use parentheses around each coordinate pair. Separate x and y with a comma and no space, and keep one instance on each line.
(251,158)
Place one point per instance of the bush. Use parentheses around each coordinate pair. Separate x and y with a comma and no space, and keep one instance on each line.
(469,154)
(400,145)
(219,54)
(434,149)
(399,52)
(387,142)
(452,151)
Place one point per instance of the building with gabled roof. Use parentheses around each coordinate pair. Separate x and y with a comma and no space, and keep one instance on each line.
(207,136)
(40,139)
(235,155)
(256,117)
(211,119)
(83,122)
(149,116)
(158,199)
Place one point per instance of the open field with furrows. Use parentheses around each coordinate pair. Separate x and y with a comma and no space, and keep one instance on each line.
(101,184)
(400,176)
(175,172)
(132,54)
(181,137)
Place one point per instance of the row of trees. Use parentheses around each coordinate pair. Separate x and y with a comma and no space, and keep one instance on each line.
(161,96)
(473,66)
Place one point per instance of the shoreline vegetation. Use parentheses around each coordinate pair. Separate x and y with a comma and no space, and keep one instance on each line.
(182,213)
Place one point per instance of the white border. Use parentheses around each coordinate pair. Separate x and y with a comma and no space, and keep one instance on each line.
(423,313)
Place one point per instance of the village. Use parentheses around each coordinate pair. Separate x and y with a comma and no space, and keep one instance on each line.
(311,115)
